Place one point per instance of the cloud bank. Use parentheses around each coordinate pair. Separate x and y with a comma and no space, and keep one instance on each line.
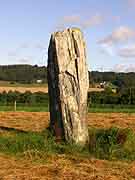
(120,42)
(123,68)
(128,52)
(120,35)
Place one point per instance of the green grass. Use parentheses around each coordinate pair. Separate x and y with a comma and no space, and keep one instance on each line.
(110,108)
(36,146)
(94,109)
(111,144)
(26,108)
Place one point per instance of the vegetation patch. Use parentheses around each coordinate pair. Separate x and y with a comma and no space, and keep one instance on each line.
(110,144)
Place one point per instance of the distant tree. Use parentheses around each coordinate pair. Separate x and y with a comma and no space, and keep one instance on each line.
(23,73)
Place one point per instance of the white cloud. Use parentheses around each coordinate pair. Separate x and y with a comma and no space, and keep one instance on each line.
(131,3)
(68,21)
(128,52)
(86,22)
(120,35)
(95,20)
(118,68)
(123,68)
(73,20)
(119,42)
(130,68)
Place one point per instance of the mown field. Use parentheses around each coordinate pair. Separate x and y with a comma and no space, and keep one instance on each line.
(27,151)
(33,88)
(38,121)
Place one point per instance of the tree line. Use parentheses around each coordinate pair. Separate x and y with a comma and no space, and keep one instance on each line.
(30,74)
(126,96)
(27,98)
(123,97)
(23,73)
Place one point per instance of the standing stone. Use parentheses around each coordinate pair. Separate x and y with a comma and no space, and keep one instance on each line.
(68,85)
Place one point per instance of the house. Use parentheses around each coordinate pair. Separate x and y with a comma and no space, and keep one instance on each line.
(39,81)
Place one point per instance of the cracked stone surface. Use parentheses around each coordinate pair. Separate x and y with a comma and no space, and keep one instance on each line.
(68,84)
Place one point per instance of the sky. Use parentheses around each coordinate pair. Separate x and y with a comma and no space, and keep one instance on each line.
(108,27)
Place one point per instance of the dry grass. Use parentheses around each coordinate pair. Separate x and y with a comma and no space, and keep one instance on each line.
(107,120)
(96,89)
(38,121)
(24,89)
(26,121)
(64,166)
(36,89)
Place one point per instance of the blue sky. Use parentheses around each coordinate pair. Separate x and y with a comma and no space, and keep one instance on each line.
(108,27)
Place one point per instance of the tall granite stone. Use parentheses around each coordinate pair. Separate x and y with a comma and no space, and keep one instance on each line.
(68,85)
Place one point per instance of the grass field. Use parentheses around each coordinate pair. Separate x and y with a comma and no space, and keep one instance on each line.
(4,86)
(38,121)
(26,108)
(93,109)
(116,109)
(27,151)
(15,84)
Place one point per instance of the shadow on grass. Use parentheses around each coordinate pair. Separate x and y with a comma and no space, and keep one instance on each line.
(12,129)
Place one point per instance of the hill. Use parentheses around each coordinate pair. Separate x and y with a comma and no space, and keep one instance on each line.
(27,74)
(23,73)
(118,79)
